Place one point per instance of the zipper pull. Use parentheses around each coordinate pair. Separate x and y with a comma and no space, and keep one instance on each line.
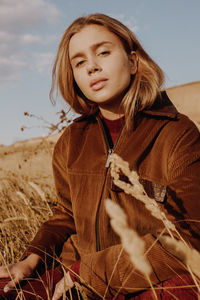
(110,151)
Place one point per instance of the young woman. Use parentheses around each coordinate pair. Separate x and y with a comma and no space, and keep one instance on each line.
(105,75)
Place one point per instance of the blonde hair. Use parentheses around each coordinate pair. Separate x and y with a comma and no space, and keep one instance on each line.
(145,84)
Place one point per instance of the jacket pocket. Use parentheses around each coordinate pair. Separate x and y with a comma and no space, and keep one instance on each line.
(154,190)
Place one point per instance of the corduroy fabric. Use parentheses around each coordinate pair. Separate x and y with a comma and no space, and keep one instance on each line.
(179,287)
(164,147)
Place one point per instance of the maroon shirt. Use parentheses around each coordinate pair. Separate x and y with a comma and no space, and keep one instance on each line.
(113,126)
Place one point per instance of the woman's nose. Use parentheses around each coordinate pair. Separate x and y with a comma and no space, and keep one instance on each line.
(93,67)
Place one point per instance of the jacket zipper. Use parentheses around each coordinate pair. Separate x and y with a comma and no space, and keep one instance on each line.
(110,151)
(107,165)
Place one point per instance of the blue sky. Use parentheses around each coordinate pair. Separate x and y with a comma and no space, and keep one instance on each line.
(31,30)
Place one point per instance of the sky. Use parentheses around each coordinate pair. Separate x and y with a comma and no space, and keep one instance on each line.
(30,31)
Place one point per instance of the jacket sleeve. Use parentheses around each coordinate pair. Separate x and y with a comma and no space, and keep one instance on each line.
(183,188)
(54,232)
(182,206)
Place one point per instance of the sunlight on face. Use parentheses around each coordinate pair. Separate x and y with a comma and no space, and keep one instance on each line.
(101,67)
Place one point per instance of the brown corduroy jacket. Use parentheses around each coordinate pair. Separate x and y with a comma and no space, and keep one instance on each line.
(164,147)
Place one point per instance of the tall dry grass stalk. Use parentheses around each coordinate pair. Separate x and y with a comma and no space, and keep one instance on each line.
(24,207)
(179,248)
(189,256)
(136,189)
(77,286)
(41,194)
(132,243)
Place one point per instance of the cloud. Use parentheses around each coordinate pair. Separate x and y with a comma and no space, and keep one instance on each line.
(43,61)
(28,39)
(131,22)
(6,37)
(10,67)
(17,15)
(21,24)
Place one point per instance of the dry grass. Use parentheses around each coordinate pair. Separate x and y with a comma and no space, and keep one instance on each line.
(26,202)
(27,195)
(132,243)
(23,209)
(187,256)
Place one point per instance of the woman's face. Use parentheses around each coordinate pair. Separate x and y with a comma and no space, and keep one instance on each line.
(101,67)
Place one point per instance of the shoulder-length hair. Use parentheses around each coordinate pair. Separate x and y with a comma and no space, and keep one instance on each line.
(145,84)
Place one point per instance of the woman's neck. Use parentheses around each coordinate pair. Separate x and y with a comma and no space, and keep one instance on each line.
(110,115)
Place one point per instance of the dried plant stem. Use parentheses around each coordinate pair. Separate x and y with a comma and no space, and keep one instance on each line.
(134,269)
(114,269)
(190,257)
(23,197)
(152,288)
(174,297)
(131,241)
(136,189)
(41,194)
(83,282)
(193,277)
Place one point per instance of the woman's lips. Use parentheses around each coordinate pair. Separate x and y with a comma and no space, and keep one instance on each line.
(98,84)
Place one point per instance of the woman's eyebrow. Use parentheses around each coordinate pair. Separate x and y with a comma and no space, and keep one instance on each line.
(93,47)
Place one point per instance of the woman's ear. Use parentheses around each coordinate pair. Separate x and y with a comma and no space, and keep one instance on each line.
(133,59)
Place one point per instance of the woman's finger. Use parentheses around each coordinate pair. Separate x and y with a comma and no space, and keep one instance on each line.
(12,283)
(62,286)
(59,290)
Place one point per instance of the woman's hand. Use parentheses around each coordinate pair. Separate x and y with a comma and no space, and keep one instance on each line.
(62,286)
(19,271)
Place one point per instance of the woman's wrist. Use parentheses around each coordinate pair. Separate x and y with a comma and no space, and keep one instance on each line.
(33,260)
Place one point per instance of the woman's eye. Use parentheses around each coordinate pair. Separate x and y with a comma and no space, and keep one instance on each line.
(103,53)
(78,64)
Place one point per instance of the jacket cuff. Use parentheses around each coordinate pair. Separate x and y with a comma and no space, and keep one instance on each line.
(75,270)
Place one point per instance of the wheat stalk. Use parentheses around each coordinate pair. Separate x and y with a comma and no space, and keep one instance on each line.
(40,193)
(23,197)
(136,189)
(189,256)
(38,190)
(132,243)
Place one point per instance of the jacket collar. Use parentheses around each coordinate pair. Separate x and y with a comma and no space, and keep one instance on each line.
(162,107)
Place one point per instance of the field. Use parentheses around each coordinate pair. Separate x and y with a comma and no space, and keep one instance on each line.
(26,191)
